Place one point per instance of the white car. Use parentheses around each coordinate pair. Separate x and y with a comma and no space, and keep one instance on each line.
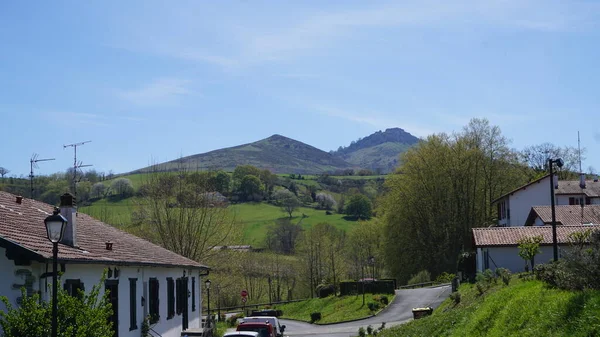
(242,334)
(267,319)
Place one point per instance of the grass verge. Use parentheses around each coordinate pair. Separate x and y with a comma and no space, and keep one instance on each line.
(524,308)
(333,309)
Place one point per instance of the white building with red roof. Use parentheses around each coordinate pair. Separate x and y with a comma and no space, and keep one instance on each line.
(144,278)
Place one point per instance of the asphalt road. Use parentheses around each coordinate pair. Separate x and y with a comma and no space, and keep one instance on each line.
(398,312)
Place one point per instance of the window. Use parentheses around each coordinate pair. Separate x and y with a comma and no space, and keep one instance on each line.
(588,200)
(170,298)
(193,294)
(153,301)
(132,304)
(72,287)
(502,212)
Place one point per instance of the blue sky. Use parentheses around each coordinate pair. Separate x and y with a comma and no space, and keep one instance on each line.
(150,81)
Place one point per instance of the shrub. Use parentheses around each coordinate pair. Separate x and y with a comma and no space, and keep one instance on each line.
(361,332)
(384,300)
(445,277)
(480,288)
(315,316)
(232,320)
(504,275)
(369,329)
(420,277)
(455,297)
(325,290)
(373,306)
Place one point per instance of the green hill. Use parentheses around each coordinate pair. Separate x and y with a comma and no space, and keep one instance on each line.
(276,153)
(379,151)
(524,308)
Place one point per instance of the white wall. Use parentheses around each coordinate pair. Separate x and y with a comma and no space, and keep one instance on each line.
(508,257)
(520,202)
(563,199)
(90,275)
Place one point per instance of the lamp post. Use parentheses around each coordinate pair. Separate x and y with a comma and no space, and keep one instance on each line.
(207,284)
(559,162)
(55,228)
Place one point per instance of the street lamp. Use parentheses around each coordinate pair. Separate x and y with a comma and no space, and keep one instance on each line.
(207,284)
(55,228)
(559,162)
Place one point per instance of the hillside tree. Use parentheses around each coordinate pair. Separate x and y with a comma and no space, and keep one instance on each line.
(287,200)
(444,188)
(325,201)
(98,190)
(122,187)
(359,207)
(4,171)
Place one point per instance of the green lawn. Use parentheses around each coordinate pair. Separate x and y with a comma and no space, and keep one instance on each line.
(256,216)
(525,308)
(333,309)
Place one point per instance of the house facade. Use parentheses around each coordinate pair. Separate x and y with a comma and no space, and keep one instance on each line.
(144,279)
(497,247)
(515,206)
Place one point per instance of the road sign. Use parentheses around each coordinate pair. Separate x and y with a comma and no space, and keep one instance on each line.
(244,293)
(244,299)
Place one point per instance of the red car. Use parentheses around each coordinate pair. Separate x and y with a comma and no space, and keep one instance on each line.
(263,329)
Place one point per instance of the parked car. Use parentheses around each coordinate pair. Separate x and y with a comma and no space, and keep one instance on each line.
(267,319)
(242,334)
(263,329)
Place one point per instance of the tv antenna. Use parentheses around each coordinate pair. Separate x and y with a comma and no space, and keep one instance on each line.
(33,164)
(579,151)
(76,165)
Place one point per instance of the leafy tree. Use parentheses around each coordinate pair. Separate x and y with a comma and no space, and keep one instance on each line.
(251,188)
(325,201)
(287,200)
(98,190)
(122,187)
(84,315)
(359,206)
(220,182)
(243,170)
(444,188)
(4,171)
(529,247)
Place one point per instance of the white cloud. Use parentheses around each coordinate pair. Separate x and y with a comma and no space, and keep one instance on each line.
(158,92)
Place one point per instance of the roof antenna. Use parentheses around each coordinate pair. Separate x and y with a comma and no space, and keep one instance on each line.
(579,151)
(33,163)
(76,165)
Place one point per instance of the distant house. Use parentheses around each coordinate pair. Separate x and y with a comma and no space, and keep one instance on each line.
(143,278)
(514,207)
(498,246)
(568,215)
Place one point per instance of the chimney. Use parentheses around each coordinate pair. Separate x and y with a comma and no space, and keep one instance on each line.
(19,199)
(582,180)
(555,179)
(68,209)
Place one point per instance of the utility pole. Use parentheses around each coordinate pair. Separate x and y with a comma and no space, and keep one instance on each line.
(33,164)
(76,165)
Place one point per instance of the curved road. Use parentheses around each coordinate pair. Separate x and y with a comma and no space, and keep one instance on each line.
(398,312)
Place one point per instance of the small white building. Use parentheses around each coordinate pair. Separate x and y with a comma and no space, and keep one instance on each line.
(514,207)
(143,278)
(497,247)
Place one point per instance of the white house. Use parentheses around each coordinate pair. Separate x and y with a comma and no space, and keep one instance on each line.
(498,246)
(567,215)
(143,278)
(514,207)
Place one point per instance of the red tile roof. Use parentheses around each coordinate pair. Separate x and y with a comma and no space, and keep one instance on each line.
(509,236)
(569,215)
(592,188)
(23,225)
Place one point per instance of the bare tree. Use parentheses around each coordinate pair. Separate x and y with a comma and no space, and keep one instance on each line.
(4,171)
(175,213)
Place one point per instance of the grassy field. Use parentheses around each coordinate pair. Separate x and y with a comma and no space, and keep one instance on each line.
(253,217)
(525,308)
(333,309)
